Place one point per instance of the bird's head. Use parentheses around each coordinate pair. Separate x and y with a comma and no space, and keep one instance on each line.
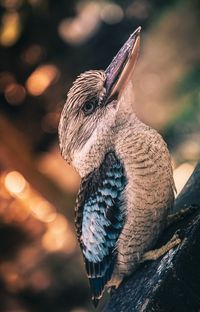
(90,112)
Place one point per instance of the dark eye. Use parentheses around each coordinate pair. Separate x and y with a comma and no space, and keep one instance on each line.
(89,107)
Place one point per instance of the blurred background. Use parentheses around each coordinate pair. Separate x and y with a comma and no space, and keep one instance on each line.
(44,44)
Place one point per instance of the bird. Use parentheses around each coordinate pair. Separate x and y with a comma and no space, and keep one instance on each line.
(127,186)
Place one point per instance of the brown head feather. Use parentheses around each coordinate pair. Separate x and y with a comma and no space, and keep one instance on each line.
(75,128)
(86,85)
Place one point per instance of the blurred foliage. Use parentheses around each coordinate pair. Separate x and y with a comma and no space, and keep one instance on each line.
(183,131)
(43,46)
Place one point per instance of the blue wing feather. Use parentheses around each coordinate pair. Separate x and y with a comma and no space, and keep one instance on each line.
(99,220)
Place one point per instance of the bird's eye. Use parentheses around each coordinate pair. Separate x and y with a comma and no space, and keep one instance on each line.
(89,107)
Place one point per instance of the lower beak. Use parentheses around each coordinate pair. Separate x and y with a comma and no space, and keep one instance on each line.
(121,68)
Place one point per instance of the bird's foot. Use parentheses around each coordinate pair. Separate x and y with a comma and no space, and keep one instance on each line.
(115,282)
(181,214)
(157,253)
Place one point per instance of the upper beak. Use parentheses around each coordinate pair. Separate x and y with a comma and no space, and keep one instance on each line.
(120,69)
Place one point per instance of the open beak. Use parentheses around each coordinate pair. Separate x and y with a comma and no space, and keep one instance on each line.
(121,68)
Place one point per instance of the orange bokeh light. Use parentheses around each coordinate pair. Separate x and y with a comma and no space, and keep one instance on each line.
(41,79)
(15,93)
(15,182)
(59,236)
(10,29)
(6,78)
(42,210)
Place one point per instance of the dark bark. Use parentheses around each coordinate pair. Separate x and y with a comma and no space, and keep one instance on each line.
(171,283)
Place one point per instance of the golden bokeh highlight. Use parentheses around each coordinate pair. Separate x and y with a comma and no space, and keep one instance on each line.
(27,204)
(89,16)
(42,210)
(15,182)
(59,236)
(78,29)
(10,29)
(41,79)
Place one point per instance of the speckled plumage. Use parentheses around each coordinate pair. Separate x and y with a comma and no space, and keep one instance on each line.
(127,184)
(100,217)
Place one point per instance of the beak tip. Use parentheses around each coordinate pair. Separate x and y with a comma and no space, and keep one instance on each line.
(136,33)
(123,64)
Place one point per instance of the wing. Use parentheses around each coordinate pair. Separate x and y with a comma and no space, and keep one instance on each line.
(99,220)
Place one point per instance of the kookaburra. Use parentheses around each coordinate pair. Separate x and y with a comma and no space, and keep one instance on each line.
(127,185)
